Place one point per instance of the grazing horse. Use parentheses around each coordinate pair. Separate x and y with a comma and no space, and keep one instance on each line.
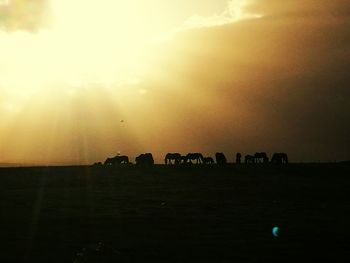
(144,160)
(261,158)
(249,159)
(220,158)
(183,159)
(279,158)
(208,160)
(238,158)
(172,158)
(117,160)
(197,157)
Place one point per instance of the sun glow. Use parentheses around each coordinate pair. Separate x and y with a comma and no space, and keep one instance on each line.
(96,41)
(65,85)
(90,41)
(87,41)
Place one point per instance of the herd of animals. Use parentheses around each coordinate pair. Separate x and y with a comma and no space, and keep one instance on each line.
(146,159)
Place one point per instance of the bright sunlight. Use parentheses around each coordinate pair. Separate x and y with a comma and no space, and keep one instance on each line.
(71,70)
(90,41)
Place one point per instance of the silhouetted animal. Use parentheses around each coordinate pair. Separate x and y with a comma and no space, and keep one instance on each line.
(197,157)
(249,159)
(279,158)
(172,158)
(183,159)
(238,158)
(117,160)
(144,160)
(220,158)
(208,160)
(261,158)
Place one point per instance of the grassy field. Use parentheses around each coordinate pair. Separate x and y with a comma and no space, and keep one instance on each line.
(183,214)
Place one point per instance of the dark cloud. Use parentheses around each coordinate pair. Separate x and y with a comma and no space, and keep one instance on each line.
(301,8)
(275,84)
(27,15)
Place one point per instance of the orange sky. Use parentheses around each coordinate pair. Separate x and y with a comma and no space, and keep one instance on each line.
(189,76)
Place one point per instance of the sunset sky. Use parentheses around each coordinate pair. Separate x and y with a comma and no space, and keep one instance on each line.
(82,80)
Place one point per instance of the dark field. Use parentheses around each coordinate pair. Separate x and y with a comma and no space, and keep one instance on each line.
(203,214)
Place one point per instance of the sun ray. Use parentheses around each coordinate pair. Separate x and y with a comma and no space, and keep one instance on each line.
(65,87)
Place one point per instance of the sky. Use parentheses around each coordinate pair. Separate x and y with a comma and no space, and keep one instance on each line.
(84,80)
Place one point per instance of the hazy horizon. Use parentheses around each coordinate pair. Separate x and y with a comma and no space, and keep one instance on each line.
(82,81)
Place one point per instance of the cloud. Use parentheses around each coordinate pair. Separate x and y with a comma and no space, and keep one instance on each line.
(306,8)
(278,83)
(235,11)
(243,9)
(23,15)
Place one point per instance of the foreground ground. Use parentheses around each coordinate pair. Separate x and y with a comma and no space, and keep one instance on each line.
(212,214)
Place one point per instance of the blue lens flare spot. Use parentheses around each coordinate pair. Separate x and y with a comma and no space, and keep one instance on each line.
(275,231)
